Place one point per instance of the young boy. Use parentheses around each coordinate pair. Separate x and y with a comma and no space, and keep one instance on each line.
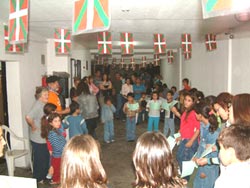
(170,107)
(234,154)
(142,116)
(130,108)
(75,122)
(107,116)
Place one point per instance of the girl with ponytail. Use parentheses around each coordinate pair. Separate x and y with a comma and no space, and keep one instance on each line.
(209,132)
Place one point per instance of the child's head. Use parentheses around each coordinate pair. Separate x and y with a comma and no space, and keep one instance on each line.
(130,97)
(174,89)
(189,101)
(81,165)
(107,100)
(204,112)
(143,95)
(49,108)
(221,106)
(185,82)
(234,144)
(74,107)
(155,95)
(170,95)
(153,161)
(49,122)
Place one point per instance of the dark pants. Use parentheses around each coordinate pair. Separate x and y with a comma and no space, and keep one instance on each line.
(91,126)
(41,157)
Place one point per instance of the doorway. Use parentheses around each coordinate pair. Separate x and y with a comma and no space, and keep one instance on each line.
(3,95)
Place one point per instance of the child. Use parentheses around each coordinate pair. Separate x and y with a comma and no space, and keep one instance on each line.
(81,165)
(142,116)
(75,122)
(171,111)
(56,137)
(130,109)
(154,163)
(189,130)
(107,116)
(154,108)
(234,144)
(209,132)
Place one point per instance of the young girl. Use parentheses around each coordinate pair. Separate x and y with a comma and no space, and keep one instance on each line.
(209,132)
(56,137)
(154,108)
(131,108)
(81,165)
(154,163)
(189,130)
(107,116)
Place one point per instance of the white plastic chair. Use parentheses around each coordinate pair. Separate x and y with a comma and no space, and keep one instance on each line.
(12,154)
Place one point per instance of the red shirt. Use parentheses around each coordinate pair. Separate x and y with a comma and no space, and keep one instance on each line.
(189,125)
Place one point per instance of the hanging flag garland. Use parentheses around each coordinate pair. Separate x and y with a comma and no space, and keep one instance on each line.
(104,43)
(62,41)
(91,16)
(210,42)
(170,56)
(156,59)
(127,43)
(159,44)
(186,45)
(18,21)
(144,61)
(11,48)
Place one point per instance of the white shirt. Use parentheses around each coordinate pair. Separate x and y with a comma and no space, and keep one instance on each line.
(234,176)
(126,89)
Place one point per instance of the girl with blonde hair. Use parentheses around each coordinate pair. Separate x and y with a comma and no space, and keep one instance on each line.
(81,166)
(154,163)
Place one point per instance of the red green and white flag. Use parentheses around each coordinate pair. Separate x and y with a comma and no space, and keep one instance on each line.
(91,16)
(170,56)
(127,43)
(11,48)
(159,44)
(18,21)
(186,44)
(62,41)
(210,42)
(104,43)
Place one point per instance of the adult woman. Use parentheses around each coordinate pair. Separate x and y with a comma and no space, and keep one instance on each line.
(88,106)
(40,152)
(106,86)
(92,87)
(154,163)
(239,111)
(81,165)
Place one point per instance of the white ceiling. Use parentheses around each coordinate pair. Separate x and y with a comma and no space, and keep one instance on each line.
(145,17)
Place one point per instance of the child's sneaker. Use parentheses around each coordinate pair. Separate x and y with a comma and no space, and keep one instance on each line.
(112,140)
(49,176)
(107,142)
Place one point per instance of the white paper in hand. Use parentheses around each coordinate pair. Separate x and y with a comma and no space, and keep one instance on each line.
(171,142)
(187,168)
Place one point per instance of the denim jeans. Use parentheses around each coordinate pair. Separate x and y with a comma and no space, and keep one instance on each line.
(211,172)
(169,124)
(153,122)
(41,157)
(108,131)
(118,113)
(185,154)
(142,116)
(130,128)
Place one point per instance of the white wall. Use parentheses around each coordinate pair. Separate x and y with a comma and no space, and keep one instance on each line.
(170,72)
(241,65)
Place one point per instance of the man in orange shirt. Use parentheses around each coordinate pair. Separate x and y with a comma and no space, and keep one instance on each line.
(185,83)
(53,86)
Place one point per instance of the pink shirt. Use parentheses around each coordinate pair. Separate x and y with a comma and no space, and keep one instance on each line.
(189,125)
(93,89)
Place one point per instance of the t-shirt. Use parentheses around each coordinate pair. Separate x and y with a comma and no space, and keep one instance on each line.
(36,114)
(54,99)
(189,125)
(154,108)
(138,90)
(57,141)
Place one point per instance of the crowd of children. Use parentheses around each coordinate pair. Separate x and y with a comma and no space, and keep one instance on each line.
(204,123)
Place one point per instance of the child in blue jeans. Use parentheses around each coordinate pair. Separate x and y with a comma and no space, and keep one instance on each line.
(130,108)
(107,116)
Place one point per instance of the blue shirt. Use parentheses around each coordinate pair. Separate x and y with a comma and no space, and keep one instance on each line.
(138,90)
(107,113)
(76,125)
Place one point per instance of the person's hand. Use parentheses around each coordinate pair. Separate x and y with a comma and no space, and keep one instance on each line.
(189,144)
(178,139)
(201,161)
(33,128)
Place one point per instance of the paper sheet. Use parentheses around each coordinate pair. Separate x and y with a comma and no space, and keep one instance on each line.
(187,168)
(177,135)
(207,151)
(171,142)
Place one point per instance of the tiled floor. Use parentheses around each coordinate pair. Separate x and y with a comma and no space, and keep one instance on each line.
(116,158)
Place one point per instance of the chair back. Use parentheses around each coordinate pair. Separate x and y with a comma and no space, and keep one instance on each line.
(7,130)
